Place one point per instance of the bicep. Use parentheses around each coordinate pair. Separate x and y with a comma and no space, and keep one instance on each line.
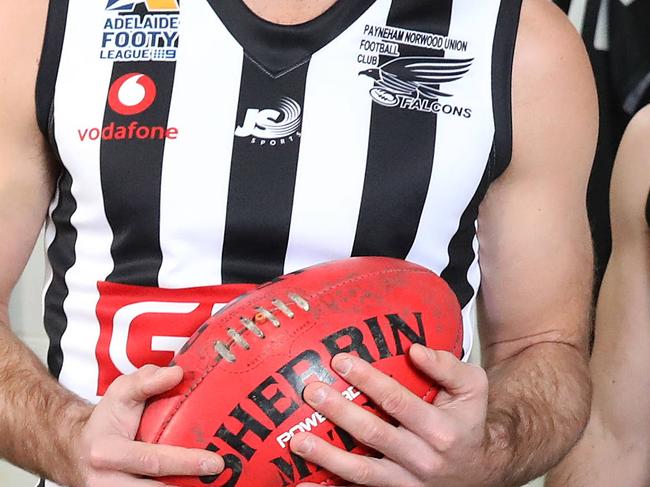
(621,356)
(537,270)
(535,252)
(25,191)
(25,172)
(613,449)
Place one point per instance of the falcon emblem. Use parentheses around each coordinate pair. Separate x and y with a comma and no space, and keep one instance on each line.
(416,77)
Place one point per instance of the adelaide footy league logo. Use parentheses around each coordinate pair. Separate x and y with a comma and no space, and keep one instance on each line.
(415,82)
(140,30)
(151,5)
(132,94)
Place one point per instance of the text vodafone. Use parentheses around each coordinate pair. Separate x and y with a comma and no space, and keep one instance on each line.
(132,131)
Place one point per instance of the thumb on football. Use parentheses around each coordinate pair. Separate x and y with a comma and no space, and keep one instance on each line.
(133,390)
(455,377)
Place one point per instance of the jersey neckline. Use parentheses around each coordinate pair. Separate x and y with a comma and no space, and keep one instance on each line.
(279,48)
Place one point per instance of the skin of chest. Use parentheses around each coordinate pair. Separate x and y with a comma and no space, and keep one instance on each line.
(289,12)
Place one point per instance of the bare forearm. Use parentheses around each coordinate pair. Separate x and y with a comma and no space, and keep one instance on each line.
(37,416)
(603,459)
(615,449)
(538,408)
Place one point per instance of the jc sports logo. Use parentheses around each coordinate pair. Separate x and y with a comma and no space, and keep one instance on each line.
(142,325)
(272,126)
(151,5)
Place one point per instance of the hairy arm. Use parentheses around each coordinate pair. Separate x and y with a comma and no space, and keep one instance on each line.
(43,427)
(536,257)
(34,410)
(509,423)
(39,418)
(615,449)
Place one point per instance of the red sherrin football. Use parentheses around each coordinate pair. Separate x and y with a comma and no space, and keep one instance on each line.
(246,368)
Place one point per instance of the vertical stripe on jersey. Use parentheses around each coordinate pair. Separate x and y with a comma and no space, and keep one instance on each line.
(462,251)
(590,22)
(132,169)
(563,4)
(502,59)
(336,122)
(49,63)
(196,166)
(79,106)
(61,256)
(401,149)
(461,247)
(262,182)
(459,170)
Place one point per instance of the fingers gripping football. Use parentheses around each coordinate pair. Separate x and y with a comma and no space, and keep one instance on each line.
(433,441)
(457,379)
(110,456)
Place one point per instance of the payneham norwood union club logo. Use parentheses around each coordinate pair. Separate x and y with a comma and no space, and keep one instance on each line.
(129,95)
(415,83)
(272,126)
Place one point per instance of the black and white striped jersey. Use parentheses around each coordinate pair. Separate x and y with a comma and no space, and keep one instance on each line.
(204,149)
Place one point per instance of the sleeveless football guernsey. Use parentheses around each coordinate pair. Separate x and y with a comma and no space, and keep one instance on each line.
(204,150)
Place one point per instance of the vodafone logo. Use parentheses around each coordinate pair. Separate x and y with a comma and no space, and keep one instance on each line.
(131,94)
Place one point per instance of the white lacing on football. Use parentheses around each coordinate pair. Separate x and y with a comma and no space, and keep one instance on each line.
(225,351)
(268,315)
(283,307)
(238,339)
(251,326)
(299,300)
